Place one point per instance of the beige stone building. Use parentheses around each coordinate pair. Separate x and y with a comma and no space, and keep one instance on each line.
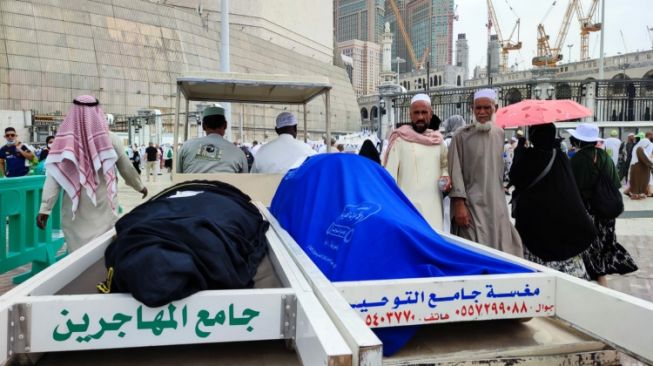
(129,53)
(366,64)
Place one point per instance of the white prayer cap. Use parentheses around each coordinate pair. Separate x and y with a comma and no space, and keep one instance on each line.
(285,119)
(421,97)
(486,93)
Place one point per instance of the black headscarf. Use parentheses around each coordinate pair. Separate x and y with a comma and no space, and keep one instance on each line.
(369,151)
(434,124)
(542,136)
(550,216)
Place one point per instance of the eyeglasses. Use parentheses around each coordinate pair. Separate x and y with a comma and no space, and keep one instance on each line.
(10,135)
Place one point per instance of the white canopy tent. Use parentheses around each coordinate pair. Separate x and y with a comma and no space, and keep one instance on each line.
(249,88)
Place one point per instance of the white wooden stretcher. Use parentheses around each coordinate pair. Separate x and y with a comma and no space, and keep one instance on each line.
(573,321)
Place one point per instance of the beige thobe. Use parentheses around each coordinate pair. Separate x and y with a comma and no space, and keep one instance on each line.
(416,168)
(476,169)
(90,221)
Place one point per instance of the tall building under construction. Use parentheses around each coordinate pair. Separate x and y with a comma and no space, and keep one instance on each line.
(428,25)
(358,28)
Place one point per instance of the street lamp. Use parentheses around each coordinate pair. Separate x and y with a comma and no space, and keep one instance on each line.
(399,60)
(379,114)
(624,65)
(569,46)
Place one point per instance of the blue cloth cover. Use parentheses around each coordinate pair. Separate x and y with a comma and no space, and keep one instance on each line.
(353,221)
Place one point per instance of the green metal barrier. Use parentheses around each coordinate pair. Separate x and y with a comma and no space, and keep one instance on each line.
(24,242)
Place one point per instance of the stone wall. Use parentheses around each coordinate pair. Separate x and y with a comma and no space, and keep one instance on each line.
(129,53)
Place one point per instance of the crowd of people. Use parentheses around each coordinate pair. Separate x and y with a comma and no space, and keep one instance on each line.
(564,202)
(153,159)
(458,179)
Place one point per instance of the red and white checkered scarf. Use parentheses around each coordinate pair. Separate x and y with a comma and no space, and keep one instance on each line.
(408,133)
(81,148)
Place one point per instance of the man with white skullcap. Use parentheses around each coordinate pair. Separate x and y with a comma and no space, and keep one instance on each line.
(479,209)
(285,152)
(211,153)
(416,158)
(613,146)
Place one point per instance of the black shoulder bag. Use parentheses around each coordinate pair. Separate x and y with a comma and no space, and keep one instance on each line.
(606,201)
(515,198)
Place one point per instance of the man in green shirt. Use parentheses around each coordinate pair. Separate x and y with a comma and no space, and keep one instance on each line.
(211,153)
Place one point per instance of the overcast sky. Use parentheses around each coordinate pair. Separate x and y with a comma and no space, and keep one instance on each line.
(632,17)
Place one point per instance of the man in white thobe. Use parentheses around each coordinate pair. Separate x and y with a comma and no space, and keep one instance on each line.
(285,152)
(417,158)
(479,208)
(612,146)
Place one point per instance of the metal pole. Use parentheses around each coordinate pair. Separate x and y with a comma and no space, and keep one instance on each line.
(327,105)
(129,132)
(176,134)
(601,57)
(305,125)
(397,69)
(224,56)
(378,116)
(569,46)
(489,28)
(186,122)
(242,120)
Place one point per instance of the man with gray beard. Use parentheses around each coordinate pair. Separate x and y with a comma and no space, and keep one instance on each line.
(479,208)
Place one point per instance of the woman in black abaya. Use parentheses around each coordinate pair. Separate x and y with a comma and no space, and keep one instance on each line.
(369,151)
(549,215)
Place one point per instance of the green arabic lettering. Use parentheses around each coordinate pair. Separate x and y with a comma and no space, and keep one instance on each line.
(203,317)
(71,327)
(184,315)
(247,315)
(119,320)
(158,325)
(220,317)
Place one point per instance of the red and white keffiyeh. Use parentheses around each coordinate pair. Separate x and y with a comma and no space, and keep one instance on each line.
(408,133)
(81,148)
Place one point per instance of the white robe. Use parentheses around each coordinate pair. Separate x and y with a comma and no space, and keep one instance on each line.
(90,221)
(416,168)
(280,155)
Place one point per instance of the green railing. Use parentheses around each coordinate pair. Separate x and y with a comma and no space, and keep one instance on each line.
(24,242)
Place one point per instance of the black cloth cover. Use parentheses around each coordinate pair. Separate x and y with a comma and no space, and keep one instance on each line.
(550,217)
(171,247)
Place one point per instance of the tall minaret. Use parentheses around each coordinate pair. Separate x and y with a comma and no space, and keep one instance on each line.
(387,76)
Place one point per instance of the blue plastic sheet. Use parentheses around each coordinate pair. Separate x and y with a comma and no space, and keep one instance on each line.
(353,221)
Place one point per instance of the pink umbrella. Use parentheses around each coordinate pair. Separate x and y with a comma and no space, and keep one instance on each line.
(537,112)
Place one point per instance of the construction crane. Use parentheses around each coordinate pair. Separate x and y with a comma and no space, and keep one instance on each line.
(623,40)
(507,44)
(586,27)
(409,44)
(547,55)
